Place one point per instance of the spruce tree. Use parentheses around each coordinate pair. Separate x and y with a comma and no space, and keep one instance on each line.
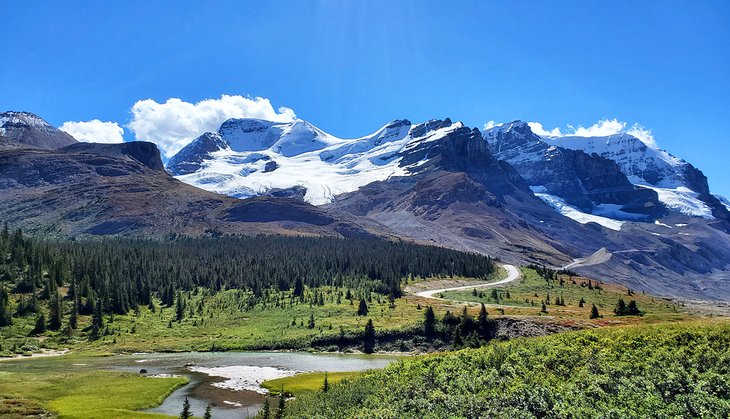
(362,310)
(208,412)
(282,402)
(185,414)
(326,384)
(6,317)
(594,312)
(581,302)
(620,309)
(40,325)
(369,338)
(429,322)
(311,325)
(179,307)
(266,410)
(56,313)
(482,321)
(633,309)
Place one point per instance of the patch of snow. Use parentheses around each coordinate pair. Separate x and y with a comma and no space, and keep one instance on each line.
(571,212)
(306,156)
(724,201)
(244,377)
(681,225)
(683,200)
(659,223)
(538,189)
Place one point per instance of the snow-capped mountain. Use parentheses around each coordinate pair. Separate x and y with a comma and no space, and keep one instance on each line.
(249,157)
(679,185)
(29,129)
(587,188)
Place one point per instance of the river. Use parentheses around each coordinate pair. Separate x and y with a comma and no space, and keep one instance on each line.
(230,380)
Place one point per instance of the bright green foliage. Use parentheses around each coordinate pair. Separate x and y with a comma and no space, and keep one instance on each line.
(669,370)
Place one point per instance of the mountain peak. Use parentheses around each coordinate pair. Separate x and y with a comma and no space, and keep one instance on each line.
(30,129)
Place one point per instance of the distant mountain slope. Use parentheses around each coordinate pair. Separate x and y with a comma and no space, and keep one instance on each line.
(590,183)
(29,129)
(679,185)
(92,189)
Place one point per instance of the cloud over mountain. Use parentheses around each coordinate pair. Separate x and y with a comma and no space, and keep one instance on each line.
(94,131)
(174,123)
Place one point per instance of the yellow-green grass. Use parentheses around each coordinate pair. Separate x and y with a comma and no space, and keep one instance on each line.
(81,394)
(302,383)
(530,291)
(222,324)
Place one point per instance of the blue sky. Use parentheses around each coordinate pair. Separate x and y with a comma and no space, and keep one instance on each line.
(351,66)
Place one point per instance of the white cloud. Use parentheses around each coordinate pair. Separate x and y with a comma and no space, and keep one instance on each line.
(643,134)
(492,124)
(602,128)
(94,131)
(173,124)
(538,129)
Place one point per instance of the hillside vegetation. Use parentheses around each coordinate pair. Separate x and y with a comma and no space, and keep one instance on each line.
(668,370)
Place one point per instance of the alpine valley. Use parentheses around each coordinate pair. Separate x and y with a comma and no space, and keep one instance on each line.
(616,208)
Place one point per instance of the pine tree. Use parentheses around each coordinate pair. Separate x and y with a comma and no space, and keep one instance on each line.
(620,309)
(208,412)
(185,414)
(40,325)
(429,322)
(179,307)
(482,321)
(311,321)
(6,317)
(326,384)
(266,410)
(581,302)
(362,310)
(543,309)
(369,338)
(282,402)
(298,288)
(56,313)
(633,309)
(594,312)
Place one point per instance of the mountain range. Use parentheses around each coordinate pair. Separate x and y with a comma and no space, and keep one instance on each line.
(616,208)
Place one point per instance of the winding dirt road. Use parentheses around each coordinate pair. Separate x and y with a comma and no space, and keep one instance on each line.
(512,274)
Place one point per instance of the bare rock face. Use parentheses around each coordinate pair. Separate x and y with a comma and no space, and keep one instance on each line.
(30,130)
(191,157)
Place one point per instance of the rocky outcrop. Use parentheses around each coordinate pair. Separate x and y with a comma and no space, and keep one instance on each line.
(191,157)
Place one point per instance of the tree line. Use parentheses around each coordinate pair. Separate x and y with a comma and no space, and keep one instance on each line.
(117,275)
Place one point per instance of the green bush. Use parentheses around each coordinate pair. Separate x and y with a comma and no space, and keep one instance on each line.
(671,370)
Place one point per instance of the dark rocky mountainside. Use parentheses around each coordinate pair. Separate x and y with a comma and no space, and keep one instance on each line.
(29,129)
(101,189)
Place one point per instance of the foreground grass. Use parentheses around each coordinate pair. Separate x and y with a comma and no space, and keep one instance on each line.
(303,383)
(27,385)
(668,370)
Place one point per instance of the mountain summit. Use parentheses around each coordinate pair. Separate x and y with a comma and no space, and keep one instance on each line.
(31,130)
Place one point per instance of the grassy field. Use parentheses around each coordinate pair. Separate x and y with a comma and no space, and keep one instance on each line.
(54,384)
(526,296)
(666,370)
(303,383)
(221,321)
(225,321)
